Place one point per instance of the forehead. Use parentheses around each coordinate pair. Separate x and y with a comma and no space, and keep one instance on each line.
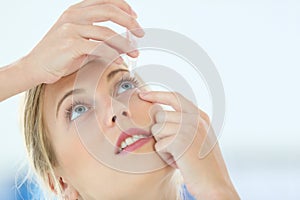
(87,77)
(94,69)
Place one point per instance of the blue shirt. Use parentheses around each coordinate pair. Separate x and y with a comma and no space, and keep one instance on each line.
(29,191)
(185,195)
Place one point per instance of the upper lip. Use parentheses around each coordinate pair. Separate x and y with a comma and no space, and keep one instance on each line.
(128,133)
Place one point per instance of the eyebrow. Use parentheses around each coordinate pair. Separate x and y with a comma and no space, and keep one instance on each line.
(71,92)
(77,91)
(114,72)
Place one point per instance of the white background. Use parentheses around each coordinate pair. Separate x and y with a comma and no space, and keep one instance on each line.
(255,46)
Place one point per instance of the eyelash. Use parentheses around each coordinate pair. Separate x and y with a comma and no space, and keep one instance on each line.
(69,110)
(126,78)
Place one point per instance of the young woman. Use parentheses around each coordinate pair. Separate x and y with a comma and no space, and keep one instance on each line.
(68,130)
(70,124)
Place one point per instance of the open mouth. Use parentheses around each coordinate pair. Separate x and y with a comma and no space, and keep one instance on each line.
(132,139)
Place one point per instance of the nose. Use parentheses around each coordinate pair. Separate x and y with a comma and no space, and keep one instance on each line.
(124,113)
(118,113)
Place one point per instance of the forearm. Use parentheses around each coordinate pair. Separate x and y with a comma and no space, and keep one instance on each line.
(16,78)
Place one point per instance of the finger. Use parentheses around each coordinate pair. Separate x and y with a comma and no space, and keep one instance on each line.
(108,12)
(163,144)
(164,116)
(160,131)
(183,132)
(97,49)
(173,99)
(167,157)
(119,3)
(100,33)
(175,144)
(88,58)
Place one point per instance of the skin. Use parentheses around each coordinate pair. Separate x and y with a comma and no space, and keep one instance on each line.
(180,135)
(176,142)
(65,49)
(80,174)
(67,45)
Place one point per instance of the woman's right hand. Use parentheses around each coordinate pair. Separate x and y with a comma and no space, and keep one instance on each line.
(73,39)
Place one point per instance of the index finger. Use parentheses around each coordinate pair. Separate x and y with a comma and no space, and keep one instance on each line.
(173,99)
(109,12)
(119,3)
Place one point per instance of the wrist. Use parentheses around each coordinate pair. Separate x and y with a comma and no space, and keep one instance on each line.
(16,78)
(30,73)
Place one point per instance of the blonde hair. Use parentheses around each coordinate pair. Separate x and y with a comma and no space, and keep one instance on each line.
(40,151)
(38,144)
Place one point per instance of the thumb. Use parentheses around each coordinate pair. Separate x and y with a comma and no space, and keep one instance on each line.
(162,150)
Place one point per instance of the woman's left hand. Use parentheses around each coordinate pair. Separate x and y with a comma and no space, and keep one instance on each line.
(180,135)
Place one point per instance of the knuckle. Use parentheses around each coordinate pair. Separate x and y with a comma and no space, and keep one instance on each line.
(205,117)
(202,124)
(67,15)
(110,9)
(68,43)
(67,27)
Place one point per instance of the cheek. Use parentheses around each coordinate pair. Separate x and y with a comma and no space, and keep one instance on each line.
(69,151)
(77,164)
(68,147)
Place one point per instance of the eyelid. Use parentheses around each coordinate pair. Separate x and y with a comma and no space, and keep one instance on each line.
(125,77)
(70,109)
(73,112)
(117,85)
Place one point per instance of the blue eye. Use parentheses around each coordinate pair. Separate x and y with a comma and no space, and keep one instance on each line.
(124,86)
(77,111)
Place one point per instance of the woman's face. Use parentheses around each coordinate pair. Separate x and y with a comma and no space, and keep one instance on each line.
(85,125)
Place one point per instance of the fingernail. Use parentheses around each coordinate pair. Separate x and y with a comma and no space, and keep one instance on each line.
(139,32)
(134,53)
(119,60)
